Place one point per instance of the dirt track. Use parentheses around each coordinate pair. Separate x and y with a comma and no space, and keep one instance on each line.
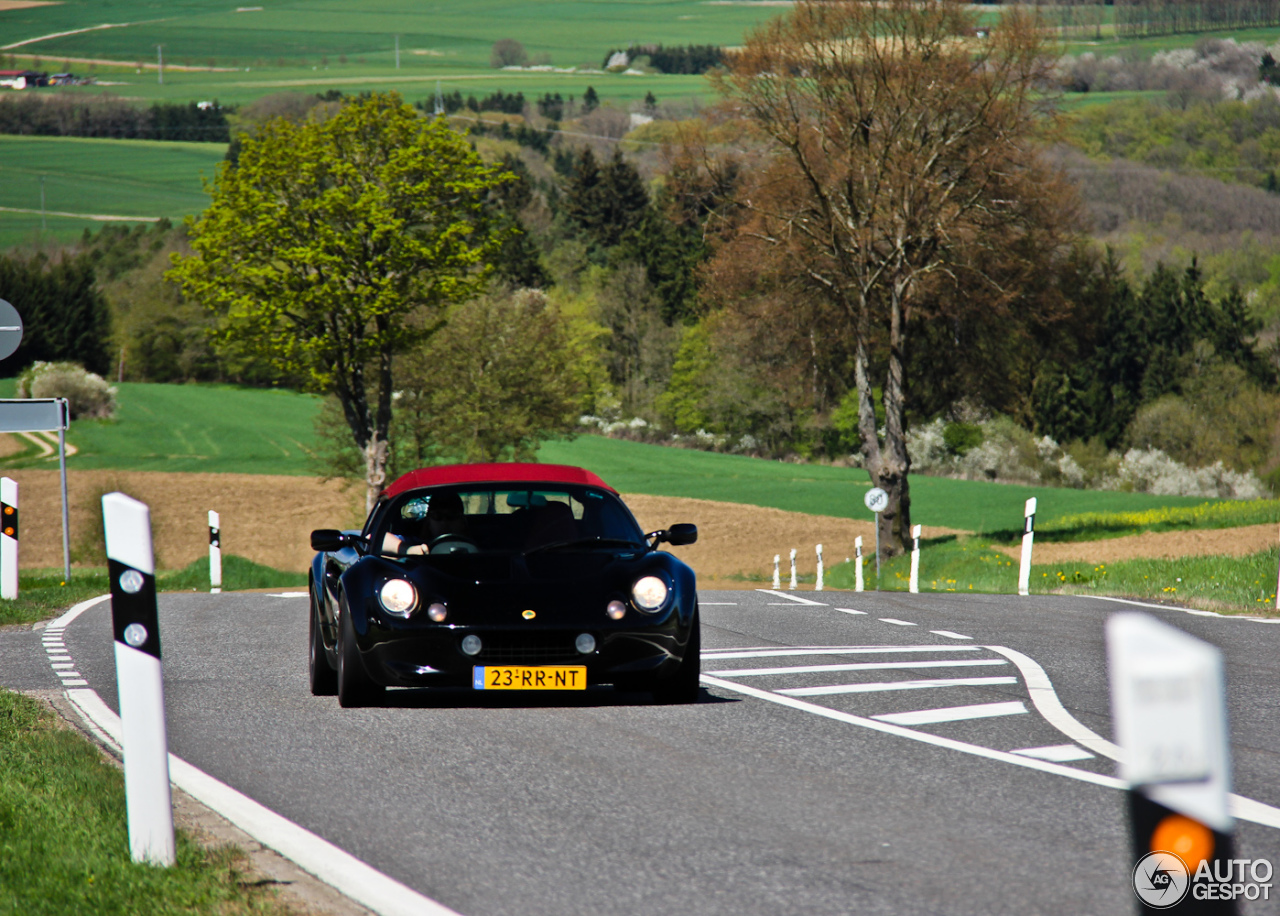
(268,519)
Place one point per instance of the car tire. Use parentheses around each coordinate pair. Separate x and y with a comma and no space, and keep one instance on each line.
(354,687)
(324,680)
(682,687)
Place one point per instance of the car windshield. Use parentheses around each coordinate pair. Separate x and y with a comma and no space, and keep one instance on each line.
(480,518)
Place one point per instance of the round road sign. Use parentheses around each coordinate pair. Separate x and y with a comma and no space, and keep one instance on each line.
(877,500)
(10,329)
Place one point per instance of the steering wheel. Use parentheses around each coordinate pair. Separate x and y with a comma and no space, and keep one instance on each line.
(452,543)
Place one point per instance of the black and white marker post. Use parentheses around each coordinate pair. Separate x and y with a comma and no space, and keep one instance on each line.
(8,538)
(1028,536)
(215,554)
(134,618)
(1168,700)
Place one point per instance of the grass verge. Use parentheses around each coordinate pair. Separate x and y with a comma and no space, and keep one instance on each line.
(64,844)
(44,593)
(1229,584)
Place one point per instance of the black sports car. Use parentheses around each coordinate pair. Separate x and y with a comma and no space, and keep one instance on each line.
(502,577)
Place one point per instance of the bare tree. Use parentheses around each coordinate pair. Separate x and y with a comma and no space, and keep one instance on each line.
(902,160)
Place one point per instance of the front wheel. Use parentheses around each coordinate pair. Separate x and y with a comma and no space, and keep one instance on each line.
(682,687)
(324,680)
(354,686)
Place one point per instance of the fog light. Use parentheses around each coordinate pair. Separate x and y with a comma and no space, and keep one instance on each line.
(471,644)
(585,643)
(437,612)
(616,610)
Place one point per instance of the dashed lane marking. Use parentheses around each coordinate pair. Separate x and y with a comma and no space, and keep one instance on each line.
(898,685)
(954,713)
(949,634)
(849,610)
(793,598)
(721,654)
(896,622)
(859,666)
(1058,753)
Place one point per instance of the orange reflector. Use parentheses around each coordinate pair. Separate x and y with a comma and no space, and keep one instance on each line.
(1190,840)
(9,531)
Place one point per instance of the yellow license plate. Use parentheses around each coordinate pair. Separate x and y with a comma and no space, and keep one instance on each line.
(525,677)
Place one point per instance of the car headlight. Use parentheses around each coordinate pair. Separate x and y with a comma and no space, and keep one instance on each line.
(649,593)
(398,597)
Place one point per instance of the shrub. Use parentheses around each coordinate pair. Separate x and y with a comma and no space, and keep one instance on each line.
(507,52)
(88,394)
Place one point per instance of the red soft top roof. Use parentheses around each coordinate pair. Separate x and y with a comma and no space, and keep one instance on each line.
(494,473)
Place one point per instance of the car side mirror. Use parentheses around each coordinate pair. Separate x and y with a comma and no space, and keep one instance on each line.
(326,539)
(679,535)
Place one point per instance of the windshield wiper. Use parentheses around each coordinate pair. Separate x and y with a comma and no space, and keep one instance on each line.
(583,542)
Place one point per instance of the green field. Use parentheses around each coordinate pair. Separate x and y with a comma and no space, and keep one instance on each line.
(224,429)
(331,44)
(141,178)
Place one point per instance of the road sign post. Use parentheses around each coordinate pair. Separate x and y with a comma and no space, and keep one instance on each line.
(877,500)
(43,415)
(1168,704)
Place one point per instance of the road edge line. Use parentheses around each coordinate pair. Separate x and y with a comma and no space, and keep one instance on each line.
(791,597)
(337,868)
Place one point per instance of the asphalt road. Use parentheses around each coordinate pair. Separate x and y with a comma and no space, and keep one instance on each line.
(602,803)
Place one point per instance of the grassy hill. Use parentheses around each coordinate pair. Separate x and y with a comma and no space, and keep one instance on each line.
(140,178)
(223,429)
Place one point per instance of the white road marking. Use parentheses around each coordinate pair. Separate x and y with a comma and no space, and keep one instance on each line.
(59,665)
(337,868)
(898,685)
(718,603)
(792,597)
(67,674)
(1185,610)
(844,650)
(59,658)
(849,610)
(949,634)
(897,623)
(859,666)
(287,595)
(1058,753)
(954,713)
(888,728)
(1045,699)
(76,683)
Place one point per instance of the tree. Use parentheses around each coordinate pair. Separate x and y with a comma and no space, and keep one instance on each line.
(899,156)
(499,378)
(64,314)
(590,100)
(334,246)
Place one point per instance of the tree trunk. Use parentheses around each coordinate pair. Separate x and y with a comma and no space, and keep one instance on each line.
(375,470)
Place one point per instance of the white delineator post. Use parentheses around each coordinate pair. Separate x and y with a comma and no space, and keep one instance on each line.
(792,586)
(857,569)
(818,587)
(914,585)
(8,538)
(1028,535)
(215,554)
(140,683)
(777,559)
